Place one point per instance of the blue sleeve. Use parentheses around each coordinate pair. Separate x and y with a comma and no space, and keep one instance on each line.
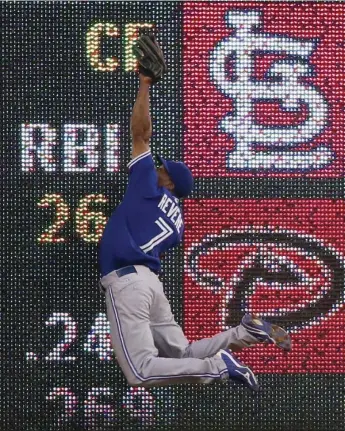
(143,175)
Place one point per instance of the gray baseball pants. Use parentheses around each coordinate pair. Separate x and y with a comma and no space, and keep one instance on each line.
(149,345)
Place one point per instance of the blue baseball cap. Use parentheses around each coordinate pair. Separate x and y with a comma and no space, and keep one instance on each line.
(180,175)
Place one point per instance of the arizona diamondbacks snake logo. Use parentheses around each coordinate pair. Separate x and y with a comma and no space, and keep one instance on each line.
(283,83)
(317,271)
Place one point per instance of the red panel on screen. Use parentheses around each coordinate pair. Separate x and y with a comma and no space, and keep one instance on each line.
(282,259)
(264,89)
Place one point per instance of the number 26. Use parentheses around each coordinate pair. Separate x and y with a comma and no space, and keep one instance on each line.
(85,218)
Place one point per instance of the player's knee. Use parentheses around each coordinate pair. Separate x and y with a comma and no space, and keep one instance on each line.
(140,381)
(137,382)
(134,381)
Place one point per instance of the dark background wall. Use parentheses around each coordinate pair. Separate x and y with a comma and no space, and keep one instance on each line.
(58,371)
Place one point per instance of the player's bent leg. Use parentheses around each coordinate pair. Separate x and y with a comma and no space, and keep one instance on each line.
(252,330)
(171,341)
(235,339)
(128,310)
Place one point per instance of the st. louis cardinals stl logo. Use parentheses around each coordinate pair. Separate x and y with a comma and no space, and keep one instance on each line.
(259,146)
(294,279)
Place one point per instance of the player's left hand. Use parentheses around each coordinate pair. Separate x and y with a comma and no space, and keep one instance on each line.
(150,57)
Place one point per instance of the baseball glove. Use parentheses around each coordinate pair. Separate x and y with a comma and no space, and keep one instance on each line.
(150,57)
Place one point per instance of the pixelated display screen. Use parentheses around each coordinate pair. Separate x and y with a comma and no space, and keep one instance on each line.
(254,103)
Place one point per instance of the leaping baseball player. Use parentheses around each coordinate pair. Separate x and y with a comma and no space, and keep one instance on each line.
(150,346)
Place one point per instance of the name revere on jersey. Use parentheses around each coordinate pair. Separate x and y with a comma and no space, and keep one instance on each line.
(172,210)
(147,223)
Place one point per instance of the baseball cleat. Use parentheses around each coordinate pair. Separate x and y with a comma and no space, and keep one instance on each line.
(239,372)
(266,332)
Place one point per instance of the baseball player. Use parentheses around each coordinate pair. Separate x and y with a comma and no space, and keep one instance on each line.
(150,346)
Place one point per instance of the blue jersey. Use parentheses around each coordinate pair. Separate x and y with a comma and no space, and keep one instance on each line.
(147,223)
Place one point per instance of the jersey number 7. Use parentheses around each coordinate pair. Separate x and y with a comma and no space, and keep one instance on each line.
(166,231)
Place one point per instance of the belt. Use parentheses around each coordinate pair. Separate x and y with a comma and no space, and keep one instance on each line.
(120,273)
(126,270)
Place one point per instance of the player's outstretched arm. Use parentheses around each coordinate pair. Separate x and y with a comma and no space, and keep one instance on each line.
(141,126)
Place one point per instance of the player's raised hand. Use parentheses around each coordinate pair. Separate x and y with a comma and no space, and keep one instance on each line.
(150,57)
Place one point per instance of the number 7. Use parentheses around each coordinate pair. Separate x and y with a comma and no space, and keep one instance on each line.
(166,231)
